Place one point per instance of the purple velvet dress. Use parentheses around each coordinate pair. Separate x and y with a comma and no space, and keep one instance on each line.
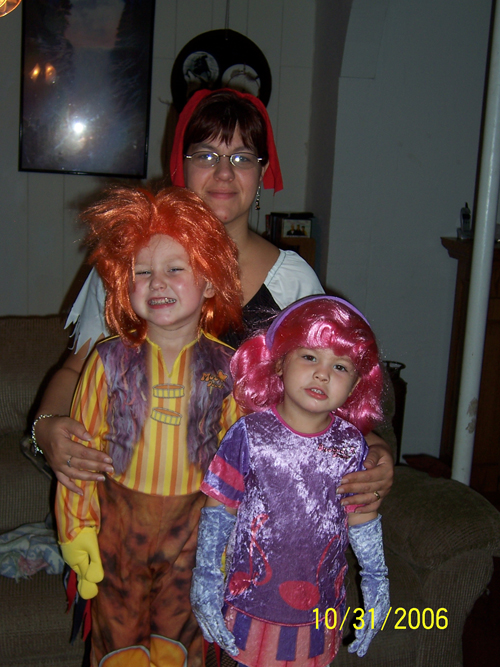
(287,554)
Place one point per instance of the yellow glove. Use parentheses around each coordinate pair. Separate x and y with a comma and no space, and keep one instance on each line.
(82,555)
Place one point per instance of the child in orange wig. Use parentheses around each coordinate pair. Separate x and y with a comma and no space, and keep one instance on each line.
(157,398)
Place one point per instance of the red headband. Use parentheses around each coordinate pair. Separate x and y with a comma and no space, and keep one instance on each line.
(272,177)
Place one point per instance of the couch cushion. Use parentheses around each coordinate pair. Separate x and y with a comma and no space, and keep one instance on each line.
(428,520)
(24,490)
(35,627)
(30,347)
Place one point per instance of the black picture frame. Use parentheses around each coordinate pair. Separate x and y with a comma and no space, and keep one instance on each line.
(86,86)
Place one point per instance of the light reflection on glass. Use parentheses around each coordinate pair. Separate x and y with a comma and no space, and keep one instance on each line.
(50,74)
(74,134)
(35,72)
(78,127)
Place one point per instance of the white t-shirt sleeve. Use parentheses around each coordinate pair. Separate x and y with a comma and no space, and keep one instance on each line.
(291,278)
(87,313)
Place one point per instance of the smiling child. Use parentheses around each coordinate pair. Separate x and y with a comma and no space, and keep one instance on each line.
(157,398)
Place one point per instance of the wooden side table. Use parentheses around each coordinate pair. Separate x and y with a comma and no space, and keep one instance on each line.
(485,475)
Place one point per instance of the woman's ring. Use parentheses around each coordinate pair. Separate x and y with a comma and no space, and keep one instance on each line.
(68,462)
(375,493)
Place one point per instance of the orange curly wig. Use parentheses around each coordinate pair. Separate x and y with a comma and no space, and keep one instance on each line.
(127,218)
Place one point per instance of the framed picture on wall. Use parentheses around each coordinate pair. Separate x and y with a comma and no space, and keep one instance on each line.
(85,90)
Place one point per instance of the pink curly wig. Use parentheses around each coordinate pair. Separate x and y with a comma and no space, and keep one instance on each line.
(127,218)
(313,322)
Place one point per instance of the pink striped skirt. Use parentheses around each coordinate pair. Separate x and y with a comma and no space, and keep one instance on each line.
(263,644)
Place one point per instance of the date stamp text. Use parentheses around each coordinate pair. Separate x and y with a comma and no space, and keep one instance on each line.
(406,618)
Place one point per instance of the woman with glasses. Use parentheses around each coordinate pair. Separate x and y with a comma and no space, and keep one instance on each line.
(223,150)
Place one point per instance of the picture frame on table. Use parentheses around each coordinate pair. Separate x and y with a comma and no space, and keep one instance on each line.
(292,227)
(86,86)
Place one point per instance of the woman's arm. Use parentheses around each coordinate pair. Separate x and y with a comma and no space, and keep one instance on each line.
(377,477)
(354,519)
(211,502)
(54,435)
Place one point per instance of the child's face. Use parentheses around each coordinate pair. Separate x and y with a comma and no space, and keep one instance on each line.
(316,382)
(165,292)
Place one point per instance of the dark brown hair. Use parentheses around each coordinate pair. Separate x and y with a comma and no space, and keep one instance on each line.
(217,116)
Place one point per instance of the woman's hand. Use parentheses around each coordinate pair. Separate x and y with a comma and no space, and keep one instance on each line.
(370,486)
(67,458)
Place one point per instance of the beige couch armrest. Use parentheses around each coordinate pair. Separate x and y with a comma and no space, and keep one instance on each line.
(429,520)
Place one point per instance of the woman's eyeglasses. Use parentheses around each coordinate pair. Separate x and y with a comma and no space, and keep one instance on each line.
(208,159)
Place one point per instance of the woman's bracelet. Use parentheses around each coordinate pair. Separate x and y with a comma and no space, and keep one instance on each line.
(36,447)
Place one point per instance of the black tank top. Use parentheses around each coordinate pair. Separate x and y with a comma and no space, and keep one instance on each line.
(258,313)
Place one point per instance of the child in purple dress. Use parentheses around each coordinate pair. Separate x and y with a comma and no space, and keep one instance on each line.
(314,385)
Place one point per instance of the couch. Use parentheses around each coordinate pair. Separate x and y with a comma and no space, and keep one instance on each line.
(440,538)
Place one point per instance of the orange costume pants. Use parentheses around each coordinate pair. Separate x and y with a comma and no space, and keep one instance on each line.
(141,616)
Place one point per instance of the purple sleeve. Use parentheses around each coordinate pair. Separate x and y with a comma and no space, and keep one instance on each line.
(225,478)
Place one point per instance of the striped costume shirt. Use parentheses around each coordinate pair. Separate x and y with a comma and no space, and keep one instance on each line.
(160,464)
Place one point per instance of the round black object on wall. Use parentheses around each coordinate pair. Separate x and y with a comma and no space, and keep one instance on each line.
(220,59)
